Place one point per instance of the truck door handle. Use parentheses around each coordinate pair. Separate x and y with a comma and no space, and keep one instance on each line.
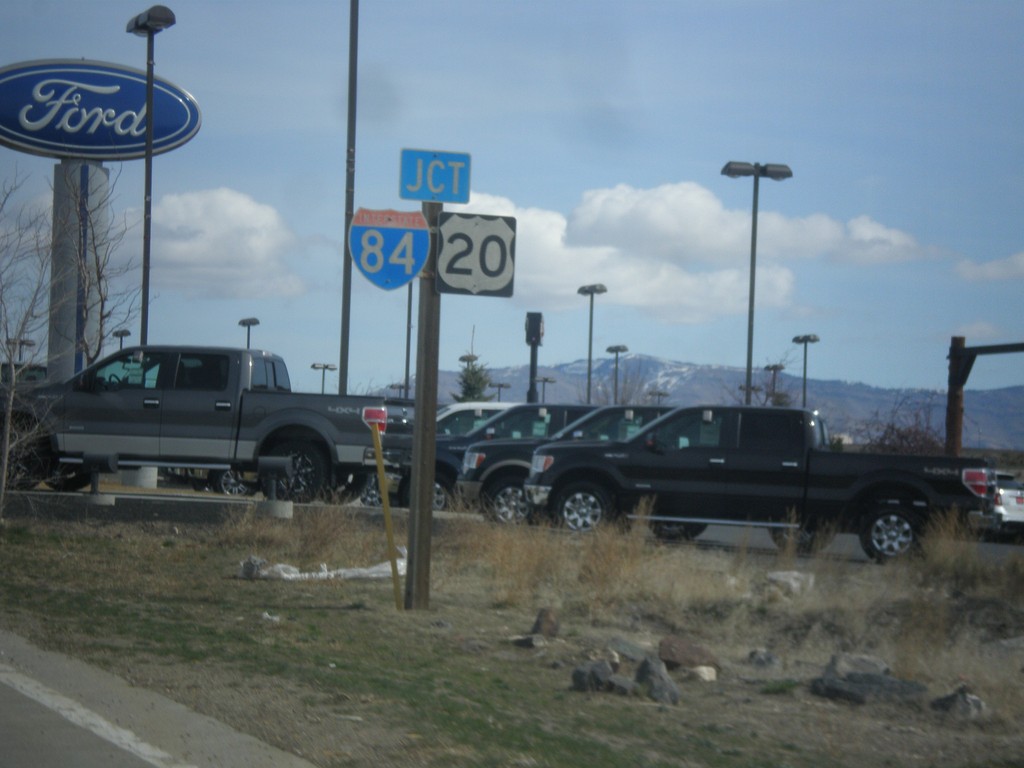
(222,405)
(151,402)
(791,464)
(720,462)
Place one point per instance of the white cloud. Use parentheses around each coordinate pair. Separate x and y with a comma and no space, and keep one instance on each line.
(674,251)
(1010,268)
(868,242)
(222,243)
(677,252)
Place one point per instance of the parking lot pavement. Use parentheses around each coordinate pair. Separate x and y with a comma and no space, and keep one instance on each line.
(59,711)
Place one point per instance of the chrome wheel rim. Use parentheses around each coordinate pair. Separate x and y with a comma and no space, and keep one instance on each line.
(891,535)
(582,511)
(509,505)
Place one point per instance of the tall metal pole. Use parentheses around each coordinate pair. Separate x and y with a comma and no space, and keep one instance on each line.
(750,305)
(350,186)
(803,396)
(615,397)
(590,345)
(147,215)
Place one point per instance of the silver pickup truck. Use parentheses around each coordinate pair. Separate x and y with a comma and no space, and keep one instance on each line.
(207,408)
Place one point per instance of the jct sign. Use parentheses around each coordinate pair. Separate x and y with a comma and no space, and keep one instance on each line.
(88,109)
(429,175)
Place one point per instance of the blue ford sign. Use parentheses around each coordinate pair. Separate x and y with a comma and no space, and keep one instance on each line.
(72,108)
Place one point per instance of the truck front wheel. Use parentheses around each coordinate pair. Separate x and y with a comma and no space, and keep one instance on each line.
(582,506)
(888,534)
(504,501)
(309,472)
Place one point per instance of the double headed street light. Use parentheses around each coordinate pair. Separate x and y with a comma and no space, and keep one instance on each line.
(500,386)
(147,24)
(324,368)
(616,349)
(806,339)
(591,291)
(777,172)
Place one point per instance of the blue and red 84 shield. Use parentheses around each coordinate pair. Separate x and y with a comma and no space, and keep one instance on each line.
(389,247)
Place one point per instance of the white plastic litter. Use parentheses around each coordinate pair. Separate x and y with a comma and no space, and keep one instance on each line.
(256,568)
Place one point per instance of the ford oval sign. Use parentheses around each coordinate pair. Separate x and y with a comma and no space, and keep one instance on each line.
(72,108)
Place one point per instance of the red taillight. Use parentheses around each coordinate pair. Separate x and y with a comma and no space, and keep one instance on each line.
(976,481)
(376,415)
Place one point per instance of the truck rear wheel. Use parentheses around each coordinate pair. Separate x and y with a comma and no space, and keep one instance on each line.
(309,472)
(890,533)
(584,505)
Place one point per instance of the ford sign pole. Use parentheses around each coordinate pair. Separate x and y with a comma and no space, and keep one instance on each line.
(148,23)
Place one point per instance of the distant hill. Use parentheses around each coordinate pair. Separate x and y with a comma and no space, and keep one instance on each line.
(993,419)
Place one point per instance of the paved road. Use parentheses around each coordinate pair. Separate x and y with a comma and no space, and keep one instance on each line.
(59,712)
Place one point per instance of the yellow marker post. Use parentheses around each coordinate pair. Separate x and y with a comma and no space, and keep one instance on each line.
(383,487)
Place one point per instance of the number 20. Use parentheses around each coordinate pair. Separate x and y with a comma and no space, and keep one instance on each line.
(460,237)
(372,256)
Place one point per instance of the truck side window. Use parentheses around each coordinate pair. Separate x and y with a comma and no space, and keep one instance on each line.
(281,380)
(202,372)
(776,432)
(129,371)
(259,374)
(690,430)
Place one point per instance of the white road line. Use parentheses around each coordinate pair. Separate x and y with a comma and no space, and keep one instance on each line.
(75,713)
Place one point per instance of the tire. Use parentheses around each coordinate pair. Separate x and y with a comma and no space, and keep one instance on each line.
(504,501)
(229,482)
(678,531)
(808,540)
(584,505)
(444,494)
(32,462)
(309,468)
(69,480)
(889,533)
(370,495)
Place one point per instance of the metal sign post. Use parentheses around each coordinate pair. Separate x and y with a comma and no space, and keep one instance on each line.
(421,502)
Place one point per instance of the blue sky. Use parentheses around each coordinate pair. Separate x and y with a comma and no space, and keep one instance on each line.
(602,127)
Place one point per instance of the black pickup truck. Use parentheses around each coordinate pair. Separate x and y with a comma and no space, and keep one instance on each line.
(209,408)
(518,422)
(770,467)
(493,471)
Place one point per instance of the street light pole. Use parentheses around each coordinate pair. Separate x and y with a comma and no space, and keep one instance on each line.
(248,323)
(323,368)
(544,381)
(120,334)
(591,291)
(806,339)
(617,348)
(774,369)
(500,386)
(147,24)
(777,172)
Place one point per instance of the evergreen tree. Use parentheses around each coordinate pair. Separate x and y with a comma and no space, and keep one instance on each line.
(474,380)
